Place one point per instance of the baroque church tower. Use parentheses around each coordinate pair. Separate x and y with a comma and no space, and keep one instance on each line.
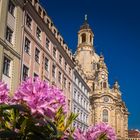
(106,102)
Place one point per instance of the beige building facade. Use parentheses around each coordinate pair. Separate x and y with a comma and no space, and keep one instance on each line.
(106,102)
(11,21)
(31,45)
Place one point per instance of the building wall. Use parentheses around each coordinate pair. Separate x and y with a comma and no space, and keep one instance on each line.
(80,101)
(11,50)
(46,47)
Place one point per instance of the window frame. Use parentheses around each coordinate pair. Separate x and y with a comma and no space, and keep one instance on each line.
(28,22)
(25,72)
(65,82)
(53,70)
(54,52)
(59,77)
(47,43)
(38,33)
(83,38)
(35,75)
(37,53)
(6,66)
(9,35)
(27,45)
(11,8)
(46,64)
(105,114)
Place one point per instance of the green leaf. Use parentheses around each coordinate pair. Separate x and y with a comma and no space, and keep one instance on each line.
(70,120)
(18,107)
(8,134)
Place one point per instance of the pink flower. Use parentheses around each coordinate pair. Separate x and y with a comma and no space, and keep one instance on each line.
(40,97)
(94,132)
(3,93)
(79,135)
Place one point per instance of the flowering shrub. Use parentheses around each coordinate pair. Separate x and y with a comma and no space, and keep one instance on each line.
(40,97)
(79,135)
(38,111)
(30,113)
(3,93)
(100,131)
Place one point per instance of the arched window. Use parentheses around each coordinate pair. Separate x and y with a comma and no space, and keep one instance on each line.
(83,38)
(90,38)
(104,85)
(105,115)
(93,86)
(101,84)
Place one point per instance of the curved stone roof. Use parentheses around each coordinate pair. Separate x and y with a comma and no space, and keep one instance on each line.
(85,26)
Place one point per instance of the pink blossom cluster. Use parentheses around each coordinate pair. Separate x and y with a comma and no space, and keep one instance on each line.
(37,95)
(94,133)
(3,93)
(79,135)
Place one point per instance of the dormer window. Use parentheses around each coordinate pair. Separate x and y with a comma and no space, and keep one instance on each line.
(48,22)
(39,11)
(83,38)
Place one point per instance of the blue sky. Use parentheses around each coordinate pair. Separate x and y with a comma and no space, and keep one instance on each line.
(116,27)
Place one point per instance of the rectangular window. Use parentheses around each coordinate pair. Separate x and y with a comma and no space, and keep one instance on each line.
(53,70)
(65,82)
(54,51)
(11,8)
(28,21)
(46,64)
(78,113)
(69,70)
(35,75)
(69,86)
(78,98)
(65,65)
(81,100)
(47,43)
(74,110)
(68,104)
(27,45)
(75,94)
(37,52)
(59,77)
(9,35)
(6,66)
(60,59)
(25,72)
(38,33)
